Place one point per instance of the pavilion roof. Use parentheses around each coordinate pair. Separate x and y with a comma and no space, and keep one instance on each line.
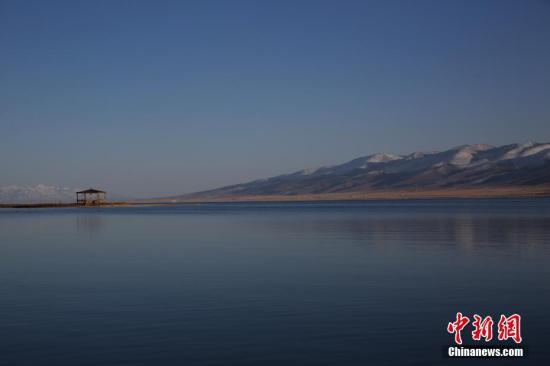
(91,190)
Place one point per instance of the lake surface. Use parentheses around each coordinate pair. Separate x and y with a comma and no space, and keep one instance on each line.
(339,283)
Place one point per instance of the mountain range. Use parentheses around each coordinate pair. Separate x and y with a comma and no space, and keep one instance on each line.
(468,166)
(478,165)
(38,193)
(44,194)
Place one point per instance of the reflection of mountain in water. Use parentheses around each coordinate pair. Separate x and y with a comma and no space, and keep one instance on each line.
(466,232)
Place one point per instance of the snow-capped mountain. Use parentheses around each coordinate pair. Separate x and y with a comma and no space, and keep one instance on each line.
(468,165)
(39,193)
(47,194)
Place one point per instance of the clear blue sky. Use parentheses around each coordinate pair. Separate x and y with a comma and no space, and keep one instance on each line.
(166,97)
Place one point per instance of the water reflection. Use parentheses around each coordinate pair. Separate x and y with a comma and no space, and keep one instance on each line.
(468,233)
(294,285)
(89,224)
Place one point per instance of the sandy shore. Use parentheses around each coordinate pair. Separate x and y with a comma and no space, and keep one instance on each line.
(494,192)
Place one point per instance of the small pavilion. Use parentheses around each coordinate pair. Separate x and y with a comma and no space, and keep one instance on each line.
(90,197)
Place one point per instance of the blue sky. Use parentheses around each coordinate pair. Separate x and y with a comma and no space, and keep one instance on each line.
(165,97)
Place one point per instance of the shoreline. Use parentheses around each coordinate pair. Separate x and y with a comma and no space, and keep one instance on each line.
(63,205)
(428,194)
(444,193)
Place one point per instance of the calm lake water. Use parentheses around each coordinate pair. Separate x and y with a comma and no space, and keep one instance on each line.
(340,283)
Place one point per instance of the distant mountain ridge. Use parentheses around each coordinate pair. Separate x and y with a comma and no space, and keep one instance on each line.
(39,193)
(478,165)
(42,193)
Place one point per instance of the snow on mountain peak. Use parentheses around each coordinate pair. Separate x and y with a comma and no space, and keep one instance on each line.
(308,171)
(524,150)
(465,154)
(40,193)
(532,150)
(382,158)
